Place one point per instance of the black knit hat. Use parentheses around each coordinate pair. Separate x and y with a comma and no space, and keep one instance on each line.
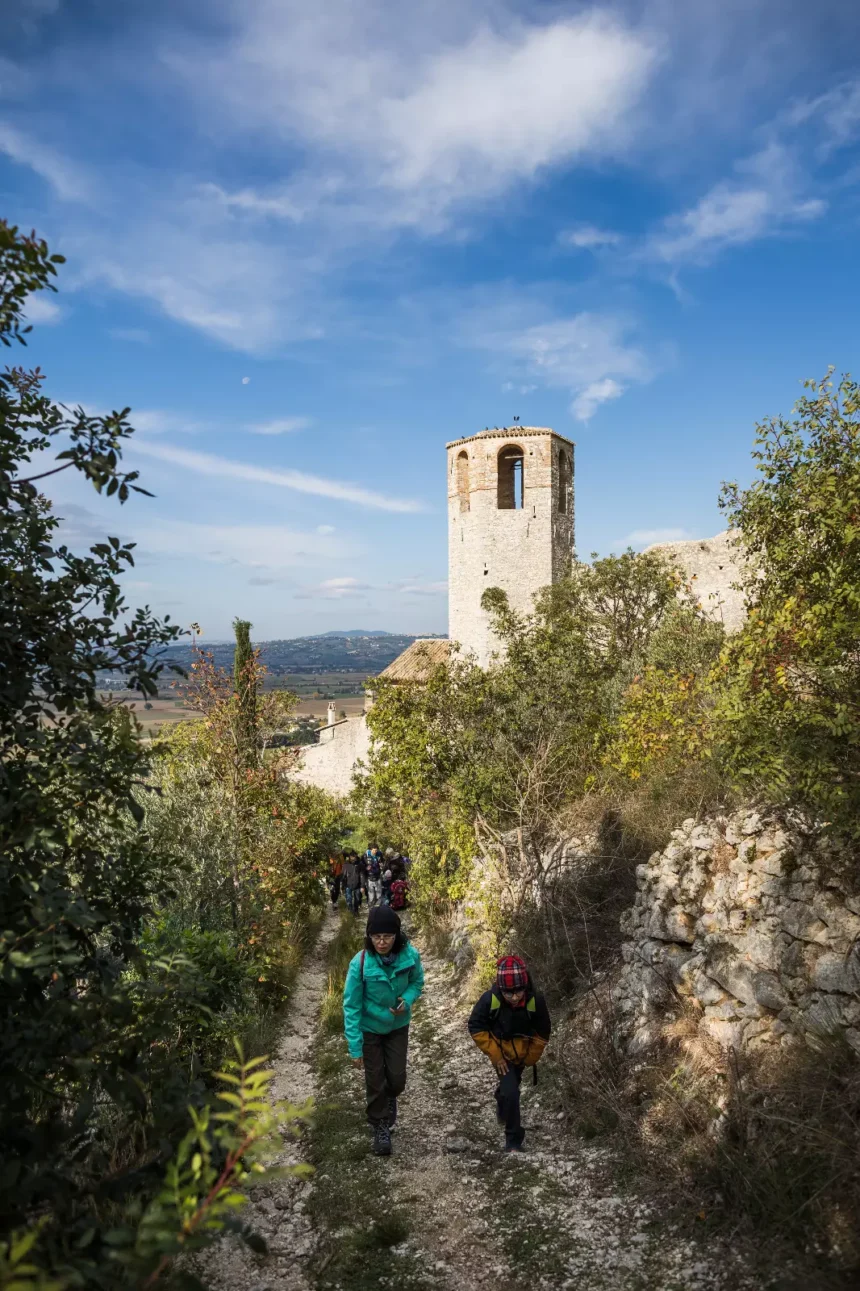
(382,919)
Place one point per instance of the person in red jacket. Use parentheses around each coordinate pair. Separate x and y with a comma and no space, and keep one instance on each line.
(510,1024)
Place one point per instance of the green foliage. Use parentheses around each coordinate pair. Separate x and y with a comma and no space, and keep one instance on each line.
(125,968)
(789,713)
(245,686)
(473,756)
(665,720)
(19,1270)
(204,1186)
(78,875)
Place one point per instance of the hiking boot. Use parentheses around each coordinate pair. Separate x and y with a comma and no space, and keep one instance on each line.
(392,1113)
(514,1145)
(381,1146)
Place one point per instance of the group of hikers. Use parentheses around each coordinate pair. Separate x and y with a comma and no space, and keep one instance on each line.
(510,1023)
(379,878)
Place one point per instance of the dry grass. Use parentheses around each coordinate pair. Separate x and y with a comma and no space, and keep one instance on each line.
(768,1145)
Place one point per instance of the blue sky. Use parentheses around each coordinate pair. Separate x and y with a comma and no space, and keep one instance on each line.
(309,243)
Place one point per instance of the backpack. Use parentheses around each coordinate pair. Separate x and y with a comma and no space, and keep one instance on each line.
(398,894)
(496,1004)
(531,1007)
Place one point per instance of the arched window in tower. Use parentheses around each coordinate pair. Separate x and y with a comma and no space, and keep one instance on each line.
(564,481)
(511,478)
(463,479)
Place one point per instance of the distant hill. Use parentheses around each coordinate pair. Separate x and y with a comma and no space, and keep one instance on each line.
(364,654)
(356,632)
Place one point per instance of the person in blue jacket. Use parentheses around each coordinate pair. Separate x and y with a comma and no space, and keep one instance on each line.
(382,984)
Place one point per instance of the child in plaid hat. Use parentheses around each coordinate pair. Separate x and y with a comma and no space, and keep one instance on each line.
(510,1024)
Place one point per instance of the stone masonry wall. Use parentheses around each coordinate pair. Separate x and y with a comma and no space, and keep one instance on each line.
(520,551)
(754,925)
(712,565)
(330,764)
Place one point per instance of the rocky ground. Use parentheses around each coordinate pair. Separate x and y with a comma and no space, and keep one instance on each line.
(278,1210)
(449,1209)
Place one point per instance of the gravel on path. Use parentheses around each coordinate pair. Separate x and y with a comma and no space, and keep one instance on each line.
(449,1211)
(277,1208)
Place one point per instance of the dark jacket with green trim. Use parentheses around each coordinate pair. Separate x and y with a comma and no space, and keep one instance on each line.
(517,1035)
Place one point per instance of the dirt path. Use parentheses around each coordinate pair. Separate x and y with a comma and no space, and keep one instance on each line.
(450,1211)
(277,1210)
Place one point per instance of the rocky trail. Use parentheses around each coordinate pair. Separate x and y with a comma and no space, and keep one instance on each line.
(448,1209)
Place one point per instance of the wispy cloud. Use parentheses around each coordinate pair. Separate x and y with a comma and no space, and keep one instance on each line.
(268,548)
(280,426)
(209,464)
(388,121)
(146,421)
(66,178)
(43,311)
(418,588)
(640,538)
(421,113)
(587,402)
(336,589)
(779,187)
(333,589)
(588,236)
(765,199)
(588,354)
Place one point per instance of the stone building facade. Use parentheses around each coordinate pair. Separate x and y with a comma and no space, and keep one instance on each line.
(510,524)
(714,568)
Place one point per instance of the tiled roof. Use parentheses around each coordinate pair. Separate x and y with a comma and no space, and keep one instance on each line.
(418,660)
(510,432)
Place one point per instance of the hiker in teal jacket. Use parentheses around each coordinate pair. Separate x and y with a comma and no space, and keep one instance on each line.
(383,982)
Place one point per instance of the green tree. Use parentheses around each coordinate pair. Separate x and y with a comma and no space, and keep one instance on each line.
(483,761)
(789,712)
(245,684)
(78,875)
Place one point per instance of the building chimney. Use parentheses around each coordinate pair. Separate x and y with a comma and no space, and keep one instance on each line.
(332,713)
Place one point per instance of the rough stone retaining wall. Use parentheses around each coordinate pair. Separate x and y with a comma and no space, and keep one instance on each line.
(753,924)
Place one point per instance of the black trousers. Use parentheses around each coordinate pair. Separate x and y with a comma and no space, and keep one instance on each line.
(384,1070)
(334,887)
(508,1101)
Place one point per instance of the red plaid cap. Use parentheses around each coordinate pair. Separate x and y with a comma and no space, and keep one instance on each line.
(511,973)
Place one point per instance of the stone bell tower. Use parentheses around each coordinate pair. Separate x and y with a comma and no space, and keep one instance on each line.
(510,524)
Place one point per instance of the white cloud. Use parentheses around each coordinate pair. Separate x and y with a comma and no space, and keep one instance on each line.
(146,421)
(65,178)
(424,110)
(380,119)
(417,588)
(209,464)
(834,114)
(157,421)
(325,528)
(333,589)
(639,538)
(767,196)
(336,589)
(42,311)
(587,236)
(261,547)
(281,426)
(588,354)
(589,400)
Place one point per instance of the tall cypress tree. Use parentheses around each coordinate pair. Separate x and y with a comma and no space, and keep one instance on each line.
(245,682)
